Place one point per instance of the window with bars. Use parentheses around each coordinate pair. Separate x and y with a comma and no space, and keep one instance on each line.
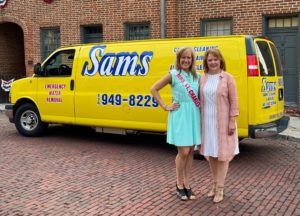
(91,34)
(216,27)
(50,41)
(286,22)
(137,31)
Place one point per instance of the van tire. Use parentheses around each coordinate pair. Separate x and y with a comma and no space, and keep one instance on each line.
(28,121)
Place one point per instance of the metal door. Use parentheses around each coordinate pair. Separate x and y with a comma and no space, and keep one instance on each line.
(286,43)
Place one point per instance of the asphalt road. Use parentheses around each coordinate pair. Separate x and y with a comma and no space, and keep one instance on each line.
(74,171)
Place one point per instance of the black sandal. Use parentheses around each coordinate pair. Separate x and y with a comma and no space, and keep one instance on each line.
(181,193)
(189,193)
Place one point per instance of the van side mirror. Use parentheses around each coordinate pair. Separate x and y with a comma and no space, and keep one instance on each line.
(37,69)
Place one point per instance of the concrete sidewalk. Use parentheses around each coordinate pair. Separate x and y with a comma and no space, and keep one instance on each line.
(293,131)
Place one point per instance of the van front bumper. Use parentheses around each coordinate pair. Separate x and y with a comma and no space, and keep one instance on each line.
(269,129)
(9,112)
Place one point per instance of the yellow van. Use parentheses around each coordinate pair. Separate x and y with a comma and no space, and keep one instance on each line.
(106,86)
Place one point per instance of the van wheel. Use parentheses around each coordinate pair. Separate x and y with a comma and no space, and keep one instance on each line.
(28,121)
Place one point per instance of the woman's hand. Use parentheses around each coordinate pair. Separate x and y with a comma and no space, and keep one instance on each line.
(231,126)
(172,107)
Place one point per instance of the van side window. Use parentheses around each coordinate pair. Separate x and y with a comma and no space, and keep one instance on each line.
(266,65)
(60,64)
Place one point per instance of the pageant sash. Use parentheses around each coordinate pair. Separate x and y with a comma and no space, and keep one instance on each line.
(188,89)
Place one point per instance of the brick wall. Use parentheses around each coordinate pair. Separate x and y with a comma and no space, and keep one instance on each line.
(182,18)
(246,14)
(172,24)
(69,15)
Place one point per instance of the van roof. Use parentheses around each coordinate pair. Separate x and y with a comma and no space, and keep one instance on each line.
(164,40)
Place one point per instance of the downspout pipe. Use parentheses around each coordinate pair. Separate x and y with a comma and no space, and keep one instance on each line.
(162,18)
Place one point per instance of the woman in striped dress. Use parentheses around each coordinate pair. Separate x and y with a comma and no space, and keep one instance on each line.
(219,102)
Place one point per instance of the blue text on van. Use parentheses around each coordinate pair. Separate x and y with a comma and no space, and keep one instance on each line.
(116,64)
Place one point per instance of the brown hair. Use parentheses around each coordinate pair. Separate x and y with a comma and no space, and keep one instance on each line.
(178,56)
(216,53)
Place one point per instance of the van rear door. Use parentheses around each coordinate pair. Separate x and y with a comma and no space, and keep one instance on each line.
(279,72)
(265,103)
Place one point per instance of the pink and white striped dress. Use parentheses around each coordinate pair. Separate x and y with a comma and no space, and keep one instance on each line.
(219,102)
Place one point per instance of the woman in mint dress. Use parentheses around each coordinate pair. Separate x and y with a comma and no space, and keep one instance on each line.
(184,117)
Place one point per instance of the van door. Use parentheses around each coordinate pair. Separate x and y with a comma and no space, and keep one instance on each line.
(55,93)
(263,87)
(280,81)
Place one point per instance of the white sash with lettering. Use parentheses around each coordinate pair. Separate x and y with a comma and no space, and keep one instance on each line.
(188,88)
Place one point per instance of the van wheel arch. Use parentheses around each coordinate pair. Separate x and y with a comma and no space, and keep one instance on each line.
(28,121)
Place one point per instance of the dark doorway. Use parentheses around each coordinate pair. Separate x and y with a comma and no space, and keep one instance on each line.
(12,60)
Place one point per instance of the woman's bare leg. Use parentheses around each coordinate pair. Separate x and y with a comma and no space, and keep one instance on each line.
(213,167)
(188,167)
(222,169)
(180,161)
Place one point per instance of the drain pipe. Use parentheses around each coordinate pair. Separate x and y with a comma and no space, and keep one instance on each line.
(162,18)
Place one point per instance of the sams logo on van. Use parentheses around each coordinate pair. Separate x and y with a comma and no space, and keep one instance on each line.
(116,64)
(268,86)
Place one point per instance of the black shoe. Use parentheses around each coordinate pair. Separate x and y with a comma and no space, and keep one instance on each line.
(181,193)
(189,193)
(198,156)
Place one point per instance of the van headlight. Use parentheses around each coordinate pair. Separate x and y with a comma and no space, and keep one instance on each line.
(9,97)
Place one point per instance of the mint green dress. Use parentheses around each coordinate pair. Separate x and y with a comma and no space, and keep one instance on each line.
(184,127)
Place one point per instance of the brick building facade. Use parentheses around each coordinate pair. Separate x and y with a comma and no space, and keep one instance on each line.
(24,24)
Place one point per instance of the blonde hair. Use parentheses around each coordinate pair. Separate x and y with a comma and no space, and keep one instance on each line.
(178,56)
(216,53)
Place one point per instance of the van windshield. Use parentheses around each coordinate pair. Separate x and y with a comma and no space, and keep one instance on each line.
(266,66)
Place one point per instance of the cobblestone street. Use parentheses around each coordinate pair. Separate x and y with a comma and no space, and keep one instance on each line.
(74,171)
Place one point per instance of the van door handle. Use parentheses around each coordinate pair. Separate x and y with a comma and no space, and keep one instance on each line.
(280,94)
(72,85)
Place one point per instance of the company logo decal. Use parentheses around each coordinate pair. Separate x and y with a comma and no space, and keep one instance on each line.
(268,90)
(268,86)
(116,64)
(3,3)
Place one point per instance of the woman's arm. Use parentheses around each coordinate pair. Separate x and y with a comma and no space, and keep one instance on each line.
(155,92)
(234,108)
(233,97)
